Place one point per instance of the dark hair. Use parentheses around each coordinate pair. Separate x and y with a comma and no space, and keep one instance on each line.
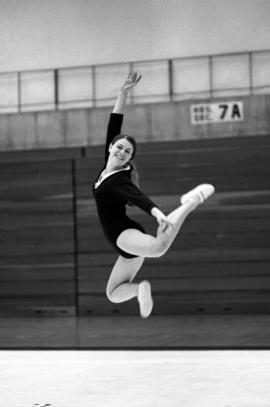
(134,172)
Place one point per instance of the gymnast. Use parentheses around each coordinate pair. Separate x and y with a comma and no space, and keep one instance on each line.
(117,186)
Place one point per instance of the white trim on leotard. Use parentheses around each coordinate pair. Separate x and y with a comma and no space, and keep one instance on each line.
(103,177)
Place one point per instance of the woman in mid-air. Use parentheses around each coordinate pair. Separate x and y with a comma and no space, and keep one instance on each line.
(115,187)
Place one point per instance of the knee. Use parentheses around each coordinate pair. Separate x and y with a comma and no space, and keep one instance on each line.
(109,295)
(159,248)
(112,297)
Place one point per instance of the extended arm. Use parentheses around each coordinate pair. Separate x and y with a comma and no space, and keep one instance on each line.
(116,118)
(129,191)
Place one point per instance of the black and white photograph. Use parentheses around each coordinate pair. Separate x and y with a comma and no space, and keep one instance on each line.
(134,203)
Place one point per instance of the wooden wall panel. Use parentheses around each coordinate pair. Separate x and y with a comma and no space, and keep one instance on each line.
(54,257)
(37,266)
(220,260)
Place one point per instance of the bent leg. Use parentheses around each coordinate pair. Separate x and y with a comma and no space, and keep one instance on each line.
(140,244)
(135,242)
(120,287)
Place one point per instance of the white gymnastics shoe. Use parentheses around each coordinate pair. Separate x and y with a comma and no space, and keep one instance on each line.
(145,299)
(201,193)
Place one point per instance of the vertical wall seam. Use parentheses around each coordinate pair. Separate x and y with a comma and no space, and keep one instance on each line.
(75,235)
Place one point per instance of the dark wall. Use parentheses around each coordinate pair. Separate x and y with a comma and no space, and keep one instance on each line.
(54,258)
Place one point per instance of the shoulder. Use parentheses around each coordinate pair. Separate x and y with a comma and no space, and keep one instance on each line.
(123,177)
(125,173)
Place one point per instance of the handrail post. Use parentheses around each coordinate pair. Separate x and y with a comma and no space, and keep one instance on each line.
(75,235)
(250,73)
(56,89)
(170,79)
(19,92)
(211,75)
(94,86)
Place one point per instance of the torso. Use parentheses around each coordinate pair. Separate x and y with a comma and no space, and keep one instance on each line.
(111,206)
(113,190)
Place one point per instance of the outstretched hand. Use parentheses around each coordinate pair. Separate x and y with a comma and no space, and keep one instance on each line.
(164,223)
(131,81)
(162,219)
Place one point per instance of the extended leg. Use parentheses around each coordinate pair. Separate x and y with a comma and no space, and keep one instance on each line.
(140,244)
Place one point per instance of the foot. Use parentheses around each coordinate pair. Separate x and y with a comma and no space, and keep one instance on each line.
(145,299)
(198,194)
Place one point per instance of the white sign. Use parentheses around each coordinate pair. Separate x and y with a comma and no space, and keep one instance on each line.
(216,112)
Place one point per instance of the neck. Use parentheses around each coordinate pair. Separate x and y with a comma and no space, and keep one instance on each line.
(112,166)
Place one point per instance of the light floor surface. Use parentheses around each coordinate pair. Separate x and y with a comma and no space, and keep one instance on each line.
(131,332)
(135,378)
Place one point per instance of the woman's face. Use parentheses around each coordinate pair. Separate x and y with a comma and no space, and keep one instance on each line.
(121,151)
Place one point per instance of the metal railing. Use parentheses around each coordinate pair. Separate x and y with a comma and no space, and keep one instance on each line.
(222,75)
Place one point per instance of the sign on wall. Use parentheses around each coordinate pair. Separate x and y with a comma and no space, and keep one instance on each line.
(216,112)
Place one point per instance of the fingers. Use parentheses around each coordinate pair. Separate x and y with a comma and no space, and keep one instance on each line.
(133,79)
(165,224)
(133,76)
(138,79)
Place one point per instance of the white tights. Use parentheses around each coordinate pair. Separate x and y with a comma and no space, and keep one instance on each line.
(120,287)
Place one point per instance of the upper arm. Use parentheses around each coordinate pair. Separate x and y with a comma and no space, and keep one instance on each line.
(113,129)
(132,193)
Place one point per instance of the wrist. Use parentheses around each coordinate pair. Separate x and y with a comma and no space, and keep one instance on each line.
(120,102)
(123,91)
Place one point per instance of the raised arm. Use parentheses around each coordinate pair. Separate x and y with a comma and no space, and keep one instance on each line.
(116,118)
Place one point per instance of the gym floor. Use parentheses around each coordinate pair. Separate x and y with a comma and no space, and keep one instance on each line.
(131,332)
(134,378)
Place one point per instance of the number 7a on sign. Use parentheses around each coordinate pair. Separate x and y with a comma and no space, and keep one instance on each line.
(231,111)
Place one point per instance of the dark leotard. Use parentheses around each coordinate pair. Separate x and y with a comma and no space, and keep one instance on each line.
(114,192)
